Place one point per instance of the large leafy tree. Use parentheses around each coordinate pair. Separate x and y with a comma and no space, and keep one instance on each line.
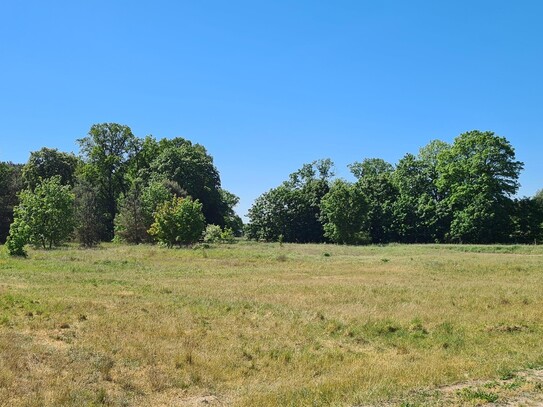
(46,163)
(108,151)
(479,175)
(44,216)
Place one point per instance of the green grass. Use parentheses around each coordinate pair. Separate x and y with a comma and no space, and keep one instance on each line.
(263,324)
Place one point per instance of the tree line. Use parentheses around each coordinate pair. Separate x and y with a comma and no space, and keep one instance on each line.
(448,193)
(122,187)
(119,187)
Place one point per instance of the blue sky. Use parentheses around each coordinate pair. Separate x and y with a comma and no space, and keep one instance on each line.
(268,86)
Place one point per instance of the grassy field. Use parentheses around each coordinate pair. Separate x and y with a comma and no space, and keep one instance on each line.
(268,325)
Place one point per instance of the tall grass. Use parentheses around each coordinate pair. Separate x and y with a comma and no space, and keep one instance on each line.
(263,324)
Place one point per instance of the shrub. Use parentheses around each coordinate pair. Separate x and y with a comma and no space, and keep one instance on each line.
(18,238)
(212,234)
(178,221)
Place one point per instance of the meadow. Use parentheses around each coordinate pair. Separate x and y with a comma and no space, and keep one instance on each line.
(255,324)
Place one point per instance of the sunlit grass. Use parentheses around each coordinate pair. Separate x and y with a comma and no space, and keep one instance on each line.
(259,324)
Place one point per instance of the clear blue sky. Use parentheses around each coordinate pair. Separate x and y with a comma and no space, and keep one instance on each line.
(268,86)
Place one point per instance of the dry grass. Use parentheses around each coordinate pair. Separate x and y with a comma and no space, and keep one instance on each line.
(263,325)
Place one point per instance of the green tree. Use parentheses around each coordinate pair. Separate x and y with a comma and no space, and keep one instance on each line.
(292,210)
(192,168)
(88,219)
(44,217)
(375,184)
(137,208)
(419,212)
(108,151)
(10,185)
(231,219)
(131,223)
(527,219)
(478,175)
(46,163)
(344,214)
(178,222)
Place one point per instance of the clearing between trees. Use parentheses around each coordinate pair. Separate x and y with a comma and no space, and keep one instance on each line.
(269,324)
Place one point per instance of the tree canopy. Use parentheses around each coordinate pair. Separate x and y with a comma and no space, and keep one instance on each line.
(462,192)
(131,188)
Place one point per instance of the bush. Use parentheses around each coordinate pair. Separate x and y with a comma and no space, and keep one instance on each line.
(18,238)
(214,234)
(179,221)
(227,235)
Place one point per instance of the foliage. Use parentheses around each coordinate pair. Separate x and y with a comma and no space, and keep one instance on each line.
(215,234)
(46,163)
(232,220)
(293,209)
(10,185)
(212,234)
(375,184)
(137,208)
(178,221)
(192,168)
(131,223)
(478,175)
(108,151)
(44,216)
(344,214)
(419,212)
(527,220)
(19,233)
(87,219)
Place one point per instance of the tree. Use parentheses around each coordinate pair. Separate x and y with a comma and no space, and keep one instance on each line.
(375,184)
(108,151)
(419,213)
(192,168)
(527,220)
(275,213)
(131,223)
(344,214)
(10,185)
(409,179)
(44,217)
(47,163)
(88,226)
(178,222)
(292,210)
(231,219)
(478,176)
